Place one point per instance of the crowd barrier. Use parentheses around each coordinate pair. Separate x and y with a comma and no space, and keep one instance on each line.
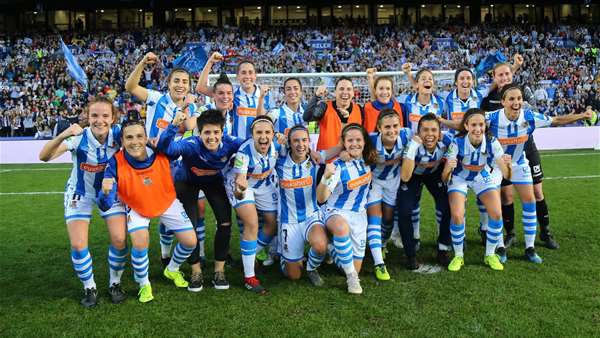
(545,139)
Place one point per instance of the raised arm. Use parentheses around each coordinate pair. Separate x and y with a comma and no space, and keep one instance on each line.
(166,143)
(202,86)
(371,78)
(264,90)
(55,147)
(408,162)
(566,119)
(133,81)
(316,107)
(406,68)
(326,185)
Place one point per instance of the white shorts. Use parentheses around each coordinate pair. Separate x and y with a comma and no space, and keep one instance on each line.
(293,236)
(265,198)
(79,207)
(521,174)
(383,191)
(479,184)
(357,221)
(174,219)
(497,177)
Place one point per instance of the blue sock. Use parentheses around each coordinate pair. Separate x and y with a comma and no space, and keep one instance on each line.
(344,258)
(458,236)
(529,223)
(140,263)
(248,249)
(180,254)
(82,263)
(116,264)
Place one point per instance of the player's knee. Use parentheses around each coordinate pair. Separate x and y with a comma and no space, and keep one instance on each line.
(538,192)
(293,271)
(119,242)
(320,246)
(78,244)
(495,214)
(457,218)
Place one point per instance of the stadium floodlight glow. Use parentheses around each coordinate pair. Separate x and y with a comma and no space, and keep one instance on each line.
(380,6)
(339,6)
(34,13)
(422,6)
(175,9)
(139,10)
(209,10)
(297,7)
(457,6)
(101,11)
(526,6)
(492,5)
(357,6)
(189,9)
(258,7)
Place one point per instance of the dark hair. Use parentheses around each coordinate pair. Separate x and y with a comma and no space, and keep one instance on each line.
(427,117)
(292,79)
(369,153)
(210,116)
(386,113)
(179,70)
(262,118)
(462,131)
(132,122)
(295,128)
(239,65)
(421,71)
(223,79)
(508,87)
(343,78)
(383,78)
(460,70)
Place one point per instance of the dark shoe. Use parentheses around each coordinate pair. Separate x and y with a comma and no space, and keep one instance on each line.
(116,293)
(509,240)
(253,284)
(443,258)
(196,282)
(501,252)
(90,299)
(165,261)
(314,278)
(412,263)
(532,256)
(483,234)
(219,281)
(548,240)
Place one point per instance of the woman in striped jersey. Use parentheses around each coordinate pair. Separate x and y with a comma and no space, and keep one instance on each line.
(468,160)
(91,148)
(251,186)
(345,186)
(513,125)
(291,112)
(414,106)
(389,143)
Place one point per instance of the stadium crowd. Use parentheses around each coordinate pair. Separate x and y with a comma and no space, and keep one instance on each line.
(37,95)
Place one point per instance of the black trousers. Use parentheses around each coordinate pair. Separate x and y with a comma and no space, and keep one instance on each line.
(214,190)
(409,195)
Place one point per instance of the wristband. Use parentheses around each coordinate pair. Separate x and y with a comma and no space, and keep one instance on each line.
(411,152)
(326,181)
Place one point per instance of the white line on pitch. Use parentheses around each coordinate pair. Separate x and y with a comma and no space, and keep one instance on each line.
(33,169)
(570,177)
(575,154)
(33,193)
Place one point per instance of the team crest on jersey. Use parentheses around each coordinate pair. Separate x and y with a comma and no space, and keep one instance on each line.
(308,165)
(147,181)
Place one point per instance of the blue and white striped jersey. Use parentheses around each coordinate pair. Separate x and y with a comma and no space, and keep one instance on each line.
(160,111)
(512,135)
(245,107)
(388,162)
(413,110)
(259,169)
(428,162)
(297,189)
(473,161)
(349,185)
(455,107)
(90,159)
(285,118)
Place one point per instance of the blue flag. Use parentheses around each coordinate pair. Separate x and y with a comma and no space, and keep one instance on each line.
(193,58)
(488,62)
(278,48)
(73,67)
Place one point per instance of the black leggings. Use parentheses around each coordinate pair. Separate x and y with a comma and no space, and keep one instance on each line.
(214,190)
(409,195)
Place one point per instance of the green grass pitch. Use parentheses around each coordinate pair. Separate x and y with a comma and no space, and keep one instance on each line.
(39,291)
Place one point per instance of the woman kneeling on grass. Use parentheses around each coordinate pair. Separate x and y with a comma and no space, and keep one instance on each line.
(345,186)
(469,162)
(142,179)
(91,147)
